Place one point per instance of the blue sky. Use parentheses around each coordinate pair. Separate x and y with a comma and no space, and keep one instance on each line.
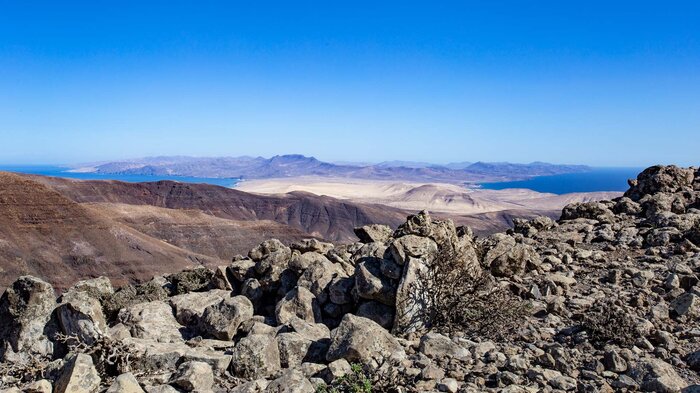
(600,83)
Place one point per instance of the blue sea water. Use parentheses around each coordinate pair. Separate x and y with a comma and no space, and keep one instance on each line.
(598,179)
(63,172)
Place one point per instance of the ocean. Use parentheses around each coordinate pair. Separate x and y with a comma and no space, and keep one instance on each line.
(598,179)
(63,172)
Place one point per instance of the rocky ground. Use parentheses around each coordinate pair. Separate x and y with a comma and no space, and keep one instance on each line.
(606,299)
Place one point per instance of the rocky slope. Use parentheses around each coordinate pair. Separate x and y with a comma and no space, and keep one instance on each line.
(608,300)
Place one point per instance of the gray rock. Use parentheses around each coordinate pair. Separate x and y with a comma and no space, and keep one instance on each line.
(371,284)
(189,307)
(414,246)
(299,302)
(312,245)
(25,309)
(437,346)
(359,339)
(292,381)
(222,320)
(373,233)
(152,321)
(80,316)
(687,304)
(655,375)
(194,377)
(125,383)
(78,376)
(378,312)
(255,356)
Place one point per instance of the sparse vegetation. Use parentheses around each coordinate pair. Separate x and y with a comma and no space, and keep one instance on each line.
(464,299)
(359,380)
(608,322)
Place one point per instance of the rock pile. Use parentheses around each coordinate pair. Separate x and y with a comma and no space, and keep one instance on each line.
(612,288)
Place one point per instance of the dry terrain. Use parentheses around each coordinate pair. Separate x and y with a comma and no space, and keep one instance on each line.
(435,197)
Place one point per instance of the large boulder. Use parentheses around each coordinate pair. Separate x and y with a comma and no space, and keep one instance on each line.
(318,277)
(222,320)
(191,280)
(412,246)
(507,258)
(78,376)
(152,321)
(417,224)
(412,306)
(299,302)
(655,375)
(292,381)
(189,307)
(312,245)
(371,284)
(153,357)
(194,376)
(659,178)
(25,309)
(255,356)
(80,316)
(373,233)
(588,210)
(359,339)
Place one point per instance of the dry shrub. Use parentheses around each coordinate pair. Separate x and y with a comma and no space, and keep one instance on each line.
(110,357)
(608,322)
(468,300)
(15,373)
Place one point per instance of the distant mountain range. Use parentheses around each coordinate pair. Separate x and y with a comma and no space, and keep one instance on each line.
(294,165)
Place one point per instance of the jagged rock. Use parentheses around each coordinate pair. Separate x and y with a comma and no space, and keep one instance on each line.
(435,345)
(359,339)
(338,369)
(687,304)
(589,210)
(220,280)
(154,290)
(154,356)
(371,284)
(125,383)
(693,360)
(414,246)
(255,356)
(507,258)
(417,224)
(312,245)
(222,320)
(373,233)
(194,377)
(241,269)
(655,375)
(78,376)
(292,381)
(25,309)
(318,277)
(152,321)
(340,290)
(301,262)
(412,307)
(378,312)
(667,179)
(271,260)
(80,315)
(189,307)
(299,302)
(296,348)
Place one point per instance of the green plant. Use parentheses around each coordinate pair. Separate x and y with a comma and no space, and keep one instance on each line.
(358,380)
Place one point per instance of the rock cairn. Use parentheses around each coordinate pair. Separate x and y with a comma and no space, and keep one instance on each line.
(612,287)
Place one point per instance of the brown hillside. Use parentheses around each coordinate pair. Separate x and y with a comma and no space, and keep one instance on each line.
(320,216)
(48,235)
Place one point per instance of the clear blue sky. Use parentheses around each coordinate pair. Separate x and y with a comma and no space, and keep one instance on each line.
(592,82)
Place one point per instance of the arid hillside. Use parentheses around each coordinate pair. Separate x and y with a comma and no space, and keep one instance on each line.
(48,235)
